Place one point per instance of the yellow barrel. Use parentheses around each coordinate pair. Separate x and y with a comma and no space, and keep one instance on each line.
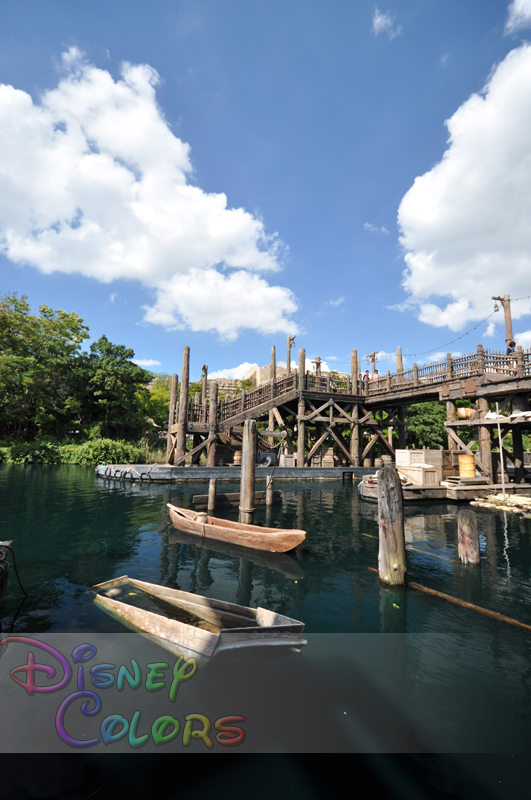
(467,467)
(466,413)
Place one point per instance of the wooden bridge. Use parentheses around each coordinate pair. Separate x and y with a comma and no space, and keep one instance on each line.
(343,409)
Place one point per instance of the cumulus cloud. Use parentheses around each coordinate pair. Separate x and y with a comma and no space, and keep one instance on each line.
(335,303)
(519,16)
(236,373)
(385,23)
(94,182)
(523,339)
(146,362)
(465,224)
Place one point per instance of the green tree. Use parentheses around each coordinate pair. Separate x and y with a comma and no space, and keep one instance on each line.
(38,359)
(425,425)
(115,389)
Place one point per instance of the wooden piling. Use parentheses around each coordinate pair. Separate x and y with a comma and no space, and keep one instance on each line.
(182,422)
(392,549)
(171,417)
(355,436)
(354,371)
(248,472)
(451,416)
(273,372)
(204,384)
(301,431)
(468,537)
(484,440)
(519,403)
(212,423)
(302,369)
(271,427)
(269,491)
(212,494)
(399,365)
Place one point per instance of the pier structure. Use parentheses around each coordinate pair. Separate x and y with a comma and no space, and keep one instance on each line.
(354,414)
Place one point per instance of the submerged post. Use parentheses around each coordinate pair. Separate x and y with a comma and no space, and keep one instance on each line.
(212,494)
(392,550)
(182,423)
(212,424)
(468,537)
(171,417)
(248,471)
(269,490)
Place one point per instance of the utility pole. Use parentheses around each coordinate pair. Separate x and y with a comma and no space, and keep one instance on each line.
(317,363)
(506,303)
(373,357)
(290,343)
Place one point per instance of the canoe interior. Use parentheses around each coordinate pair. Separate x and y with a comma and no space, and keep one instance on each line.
(228,523)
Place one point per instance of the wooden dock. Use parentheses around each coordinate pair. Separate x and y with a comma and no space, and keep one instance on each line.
(413,494)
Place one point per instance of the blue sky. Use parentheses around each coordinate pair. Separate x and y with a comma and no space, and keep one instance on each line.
(223,174)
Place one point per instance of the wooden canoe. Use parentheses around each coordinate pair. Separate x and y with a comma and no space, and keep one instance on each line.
(191,625)
(274,540)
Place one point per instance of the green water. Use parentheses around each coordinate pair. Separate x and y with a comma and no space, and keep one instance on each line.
(71,531)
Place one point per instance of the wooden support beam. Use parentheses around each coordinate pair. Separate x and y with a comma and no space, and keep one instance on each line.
(180,447)
(485,447)
(282,427)
(181,459)
(355,436)
(464,447)
(302,369)
(354,371)
(301,431)
(369,446)
(341,443)
(212,424)
(170,444)
(316,446)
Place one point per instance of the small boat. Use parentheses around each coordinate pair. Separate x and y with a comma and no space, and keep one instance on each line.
(195,626)
(274,540)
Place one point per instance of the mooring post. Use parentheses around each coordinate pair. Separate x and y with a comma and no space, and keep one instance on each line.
(302,369)
(182,422)
(269,490)
(212,494)
(354,371)
(392,550)
(355,438)
(171,417)
(212,424)
(301,431)
(248,471)
(468,537)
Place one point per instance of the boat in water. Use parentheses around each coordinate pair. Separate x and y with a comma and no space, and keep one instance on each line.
(274,540)
(190,625)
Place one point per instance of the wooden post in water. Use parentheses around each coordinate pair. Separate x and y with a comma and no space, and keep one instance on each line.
(392,550)
(301,431)
(212,423)
(171,417)
(302,369)
(182,422)
(269,490)
(248,471)
(468,537)
(354,371)
(212,494)
(355,436)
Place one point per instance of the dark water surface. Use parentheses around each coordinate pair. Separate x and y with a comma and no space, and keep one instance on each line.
(462,680)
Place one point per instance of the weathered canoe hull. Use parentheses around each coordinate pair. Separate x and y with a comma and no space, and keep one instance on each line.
(273,540)
(249,627)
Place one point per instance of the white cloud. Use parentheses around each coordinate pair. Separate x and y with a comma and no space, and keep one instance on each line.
(519,16)
(112,297)
(93,181)
(236,373)
(335,303)
(445,59)
(146,362)
(523,339)
(374,228)
(385,23)
(465,224)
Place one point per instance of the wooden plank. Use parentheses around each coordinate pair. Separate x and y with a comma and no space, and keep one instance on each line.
(257,411)
(204,443)
(369,446)
(392,545)
(341,444)
(316,446)
(283,428)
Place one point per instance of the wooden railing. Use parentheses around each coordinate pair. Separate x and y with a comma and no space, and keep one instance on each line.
(493,364)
